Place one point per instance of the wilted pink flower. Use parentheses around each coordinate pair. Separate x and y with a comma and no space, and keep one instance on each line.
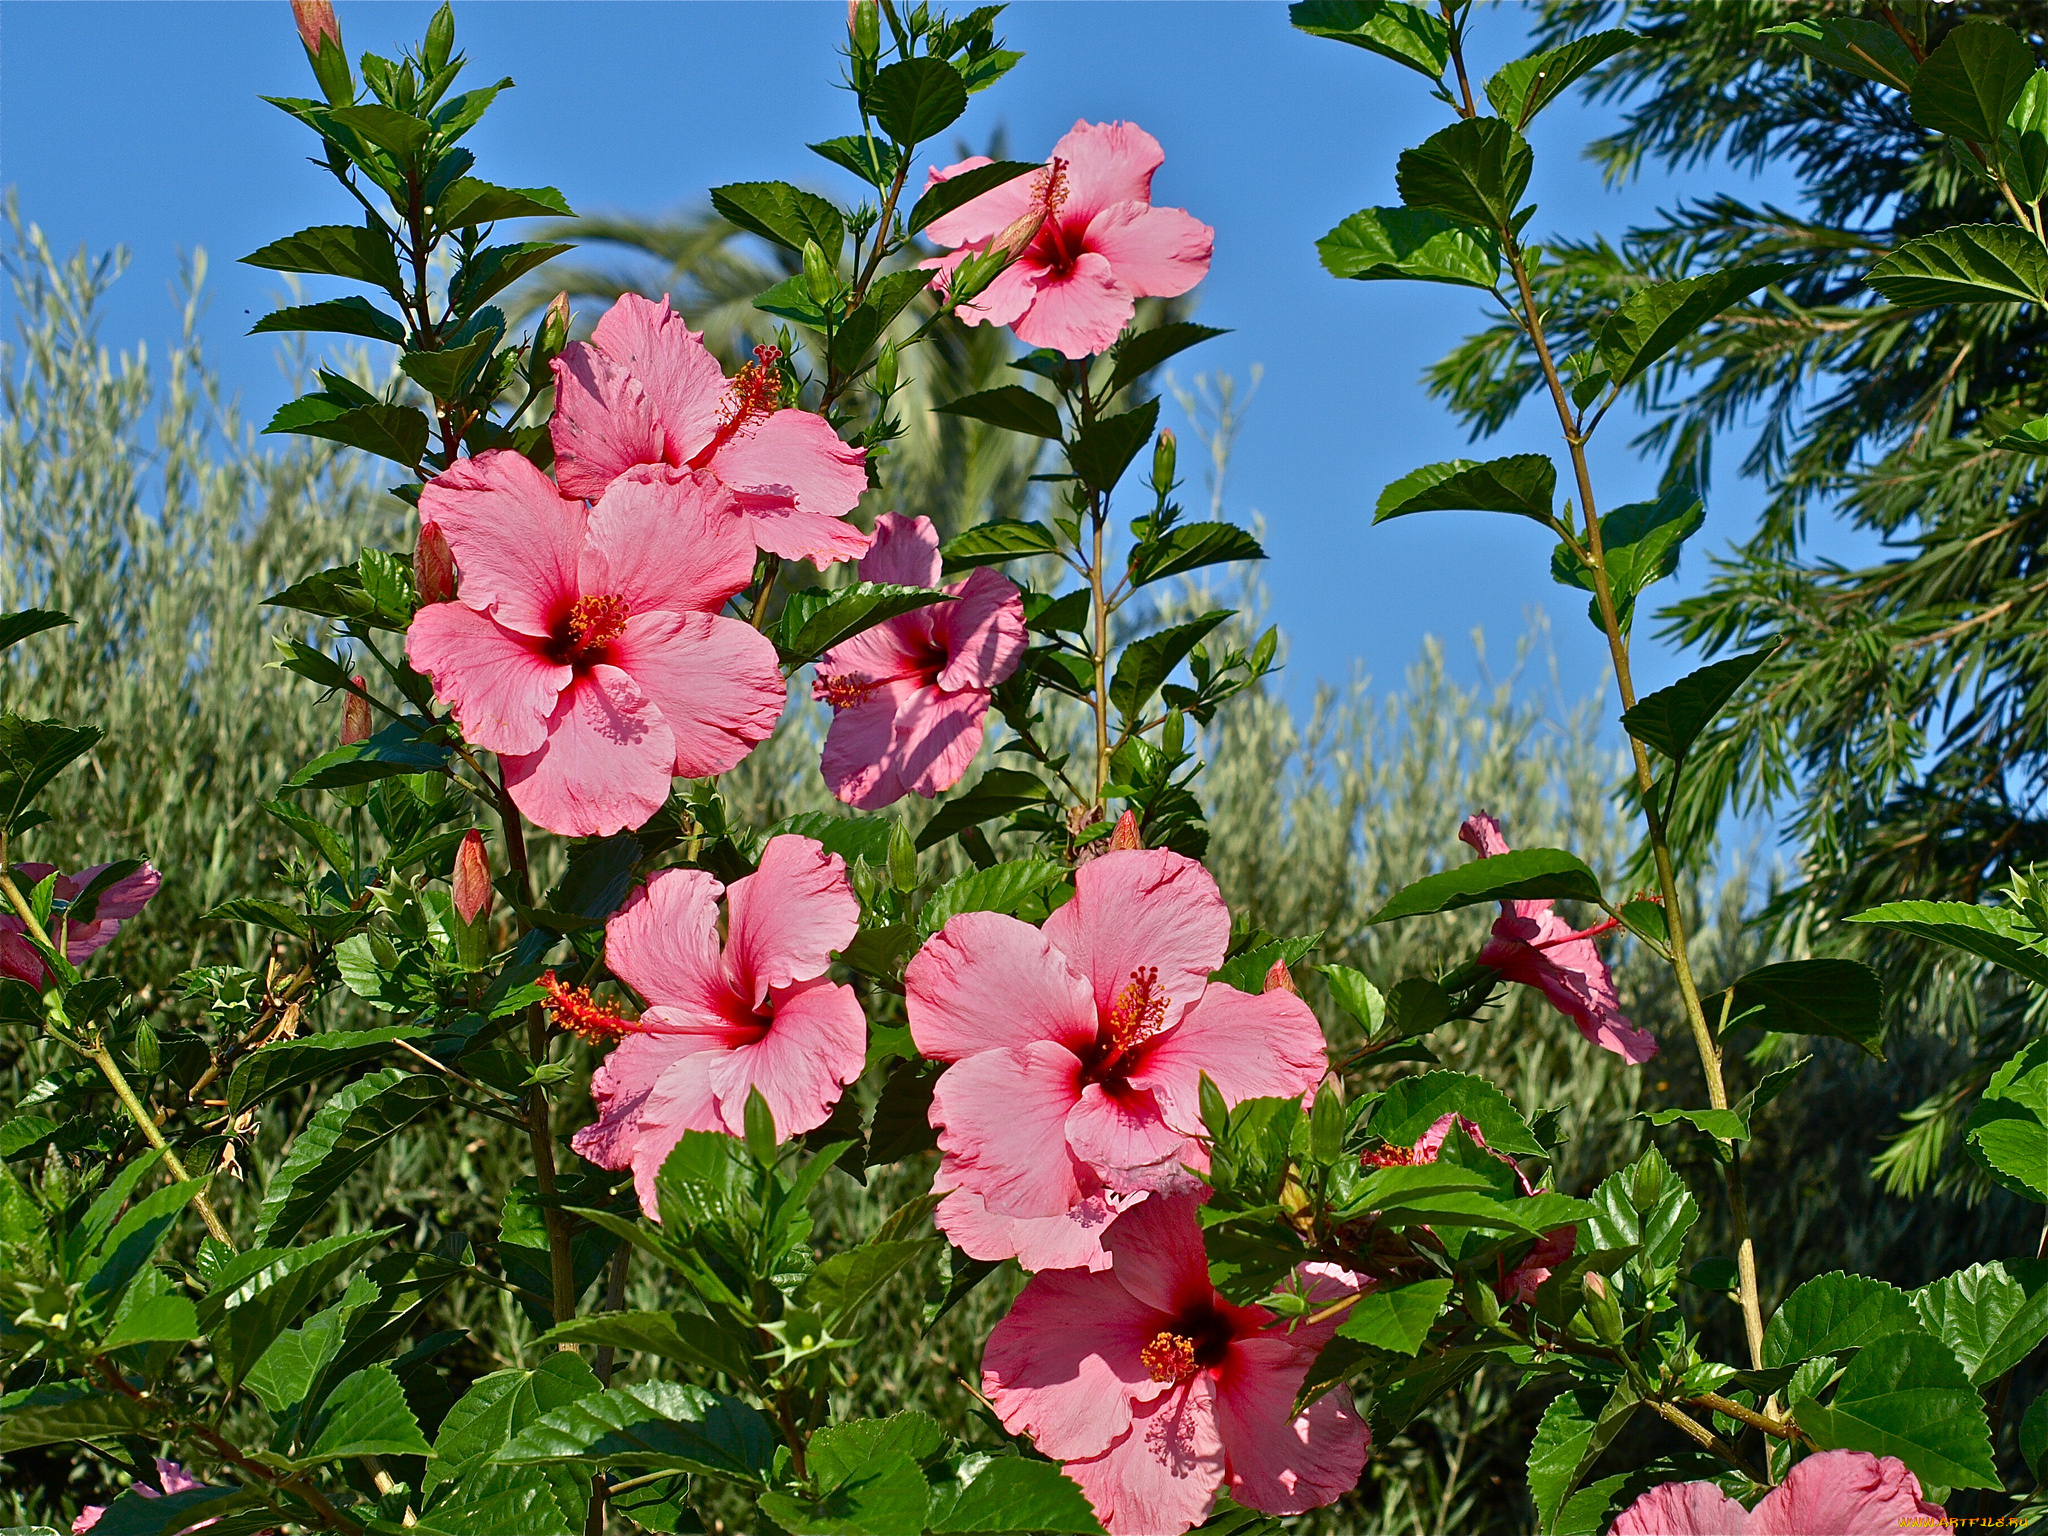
(1836,1493)
(118,902)
(908,697)
(174,1479)
(1531,944)
(472,877)
(1156,1392)
(762,1014)
(1077,1050)
(585,646)
(433,565)
(645,390)
(316,24)
(355,716)
(1098,247)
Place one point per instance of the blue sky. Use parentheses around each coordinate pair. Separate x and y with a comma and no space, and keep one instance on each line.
(139,124)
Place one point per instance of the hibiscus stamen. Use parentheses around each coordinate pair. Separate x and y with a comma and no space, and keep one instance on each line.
(1594,932)
(845,690)
(756,390)
(1169,1357)
(576,1012)
(1138,1013)
(1395,1157)
(595,622)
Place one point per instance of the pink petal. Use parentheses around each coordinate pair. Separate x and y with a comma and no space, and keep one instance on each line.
(1063,1365)
(1161,1478)
(816,1045)
(605,763)
(1158,1254)
(983,217)
(1483,834)
(18,957)
(1107,163)
(1071,1240)
(680,378)
(799,451)
(516,540)
(681,1100)
(785,919)
(1005,300)
(124,898)
(1521,1283)
(664,945)
(1002,1116)
(1283,1462)
(987,981)
(1574,978)
(1263,1045)
(715,680)
(1157,253)
(501,684)
(777,524)
(905,551)
(895,650)
(603,424)
(620,1088)
(857,764)
(667,539)
(935,738)
(1686,1509)
(982,630)
(1143,907)
(1079,312)
(172,1478)
(1119,1134)
(1322,1283)
(1844,1493)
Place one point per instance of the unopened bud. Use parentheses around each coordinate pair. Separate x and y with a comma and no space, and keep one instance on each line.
(885,371)
(554,332)
(1125,835)
(820,281)
(472,877)
(321,34)
(1601,1308)
(1481,1305)
(316,23)
(433,565)
(1278,979)
(864,25)
(1163,462)
(355,717)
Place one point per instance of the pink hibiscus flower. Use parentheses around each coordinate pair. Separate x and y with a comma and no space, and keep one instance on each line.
(1100,245)
(1076,1052)
(1552,1249)
(174,1479)
(1156,1392)
(908,697)
(585,646)
(118,902)
(761,1014)
(1531,944)
(646,390)
(1836,1493)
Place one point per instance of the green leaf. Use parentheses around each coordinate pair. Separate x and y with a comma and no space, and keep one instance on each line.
(1904,1395)
(954,191)
(1148,661)
(1641,542)
(1001,888)
(1526,874)
(366,1415)
(161,1318)
(67,1410)
(1522,483)
(1396,1319)
(497,1407)
(396,749)
(354,251)
(346,1133)
(496,267)
(814,620)
(470,202)
(2007,1133)
(259,1294)
(1989,933)
(851,837)
(916,99)
(1475,171)
(1138,354)
(1842,999)
(838,1288)
(1356,995)
(1576,1427)
(1723,1124)
(1832,1313)
(1012,407)
(134,1240)
(1646,1206)
(1009,1493)
(684,1337)
(1671,719)
(1653,320)
(1189,547)
(890,294)
(1524,87)
(873,160)
(992,543)
(1247,971)
(1104,448)
(136,1514)
(395,432)
(1379,244)
(1969,85)
(998,792)
(1965,264)
(1407,34)
(1411,1105)
(1866,48)
(351,316)
(778,212)
(399,133)
(32,753)
(2023,141)
(271,1069)
(1991,1316)
(656,1426)
(2034,1438)
(866,1476)
(18,626)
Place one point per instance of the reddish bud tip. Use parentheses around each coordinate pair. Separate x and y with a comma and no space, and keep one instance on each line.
(472,878)
(433,565)
(1278,979)
(1595,1287)
(355,717)
(316,23)
(1125,837)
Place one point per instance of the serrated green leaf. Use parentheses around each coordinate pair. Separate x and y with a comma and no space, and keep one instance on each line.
(784,214)
(998,792)
(1840,998)
(1522,483)
(271,1069)
(1641,543)
(67,1410)
(1407,34)
(495,268)
(1904,1395)
(654,1426)
(1970,83)
(396,749)
(1525,874)
(1522,88)
(1189,547)
(1671,719)
(1411,1105)
(1989,933)
(1396,1319)
(1991,1316)
(1104,448)
(32,753)
(1011,407)
(2023,141)
(351,316)
(846,1282)
(683,1337)
(1965,264)
(1475,171)
(1380,244)
(366,1415)
(1653,320)
(470,202)
(1010,1493)
(2007,1133)
(354,251)
(809,628)
(1835,1312)
(872,159)
(395,432)
(1576,1427)
(916,99)
(261,1293)
(1138,354)
(1867,48)
(1001,888)
(992,543)
(1148,661)
(346,1132)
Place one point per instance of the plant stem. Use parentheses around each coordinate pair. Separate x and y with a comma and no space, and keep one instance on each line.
(1096,513)
(1734,1410)
(1706,1439)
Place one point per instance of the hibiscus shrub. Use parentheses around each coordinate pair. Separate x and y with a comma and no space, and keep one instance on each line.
(1238,1259)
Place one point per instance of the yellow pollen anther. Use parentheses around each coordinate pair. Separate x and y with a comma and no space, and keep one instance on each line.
(1169,1357)
(1139,1011)
(845,690)
(595,622)
(576,1012)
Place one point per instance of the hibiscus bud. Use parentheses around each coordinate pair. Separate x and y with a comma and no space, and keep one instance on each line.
(864,27)
(820,281)
(549,340)
(1278,979)
(321,34)
(472,882)
(1601,1307)
(1163,462)
(1481,1305)
(885,371)
(1125,836)
(433,565)
(316,23)
(355,717)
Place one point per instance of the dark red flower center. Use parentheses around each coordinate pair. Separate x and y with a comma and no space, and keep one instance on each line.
(589,627)
(1196,1342)
(1136,1014)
